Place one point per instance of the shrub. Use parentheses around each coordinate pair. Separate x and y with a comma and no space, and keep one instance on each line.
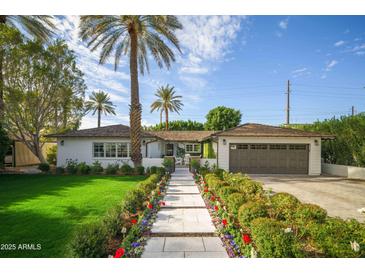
(225,191)
(218,172)
(160,171)
(153,169)
(251,188)
(90,241)
(334,236)
(134,200)
(71,166)
(284,205)
(43,167)
(60,170)
(168,164)
(309,212)
(250,211)
(203,171)
(111,169)
(195,165)
(126,169)
(214,182)
(234,202)
(52,155)
(272,241)
(83,168)
(139,170)
(96,168)
(149,184)
(148,171)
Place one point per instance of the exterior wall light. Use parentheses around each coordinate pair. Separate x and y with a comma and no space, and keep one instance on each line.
(316,142)
(62,142)
(224,141)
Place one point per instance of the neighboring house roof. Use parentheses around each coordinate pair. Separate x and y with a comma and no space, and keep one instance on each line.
(259,130)
(107,131)
(182,136)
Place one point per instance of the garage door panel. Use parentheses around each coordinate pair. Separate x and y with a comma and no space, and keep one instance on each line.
(269,158)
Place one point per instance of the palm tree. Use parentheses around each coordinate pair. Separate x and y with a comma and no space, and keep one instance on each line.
(167,101)
(37,26)
(132,35)
(100,102)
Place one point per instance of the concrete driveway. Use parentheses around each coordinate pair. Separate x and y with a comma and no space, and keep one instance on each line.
(339,196)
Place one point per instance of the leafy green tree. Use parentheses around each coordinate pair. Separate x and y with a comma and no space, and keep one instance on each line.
(37,26)
(35,78)
(167,101)
(100,102)
(221,118)
(179,125)
(134,36)
(348,148)
(4,145)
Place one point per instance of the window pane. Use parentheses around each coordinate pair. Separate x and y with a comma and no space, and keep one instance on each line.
(122,150)
(189,148)
(110,150)
(197,148)
(98,150)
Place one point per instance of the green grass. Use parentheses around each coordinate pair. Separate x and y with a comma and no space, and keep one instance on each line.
(47,209)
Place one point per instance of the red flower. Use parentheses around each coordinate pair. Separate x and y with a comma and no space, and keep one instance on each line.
(150,206)
(206,190)
(212,198)
(216,208)
(133,221)
(246,239)
(159,193)
(162,203)
(119,253)
(224,222)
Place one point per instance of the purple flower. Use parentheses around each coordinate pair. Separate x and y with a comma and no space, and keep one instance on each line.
(144,222)
(135,244)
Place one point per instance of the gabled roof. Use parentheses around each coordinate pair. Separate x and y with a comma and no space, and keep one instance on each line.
(259,130)
(107,131)
(182,136)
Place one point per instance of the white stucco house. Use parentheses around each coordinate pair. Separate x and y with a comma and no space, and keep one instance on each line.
(250,148)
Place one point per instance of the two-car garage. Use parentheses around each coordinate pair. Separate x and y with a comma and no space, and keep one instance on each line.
(263,149)
(269,158)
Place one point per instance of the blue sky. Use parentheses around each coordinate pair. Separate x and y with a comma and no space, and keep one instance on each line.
(244,62)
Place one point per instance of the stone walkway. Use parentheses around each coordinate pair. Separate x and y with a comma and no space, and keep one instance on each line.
(183,228)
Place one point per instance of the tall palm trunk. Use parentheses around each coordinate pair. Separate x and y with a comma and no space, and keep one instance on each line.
(167,119)
(161,118)
(135,108)
(99,117)
(2,106)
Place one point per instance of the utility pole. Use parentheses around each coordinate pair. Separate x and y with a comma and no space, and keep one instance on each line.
(288,104)
(352,111)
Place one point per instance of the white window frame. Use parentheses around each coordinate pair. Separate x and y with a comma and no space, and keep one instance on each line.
(116,150)
(193,145)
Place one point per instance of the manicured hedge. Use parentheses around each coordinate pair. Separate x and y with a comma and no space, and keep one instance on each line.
(279,225)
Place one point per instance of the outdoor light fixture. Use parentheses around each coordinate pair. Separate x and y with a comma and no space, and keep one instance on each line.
(316,142)
(224,142)
(62,142)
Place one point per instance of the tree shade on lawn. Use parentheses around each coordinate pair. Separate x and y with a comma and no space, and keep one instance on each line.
(47,209)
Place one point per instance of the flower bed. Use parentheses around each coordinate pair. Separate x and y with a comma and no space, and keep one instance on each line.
(253,222)
(124,230)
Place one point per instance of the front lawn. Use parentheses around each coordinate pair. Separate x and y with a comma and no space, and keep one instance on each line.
(47,209)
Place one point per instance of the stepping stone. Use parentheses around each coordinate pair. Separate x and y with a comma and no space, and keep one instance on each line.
(189,200)
(207,254)
(178,189)
(184,244)
(182,183)
(163,255)
(178,221)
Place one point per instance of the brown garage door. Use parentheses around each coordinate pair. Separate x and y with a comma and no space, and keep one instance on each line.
(269,158)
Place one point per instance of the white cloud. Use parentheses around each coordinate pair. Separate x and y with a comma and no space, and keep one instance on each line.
(339,43)
(194,70)
(283,24)
(300,72)
(330,65)
(358,47)
(360,53)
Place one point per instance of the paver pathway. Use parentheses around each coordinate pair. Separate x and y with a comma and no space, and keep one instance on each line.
(183,227)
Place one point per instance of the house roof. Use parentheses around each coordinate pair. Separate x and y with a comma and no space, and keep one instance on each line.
(259,130)
(182,136)
(107,131)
